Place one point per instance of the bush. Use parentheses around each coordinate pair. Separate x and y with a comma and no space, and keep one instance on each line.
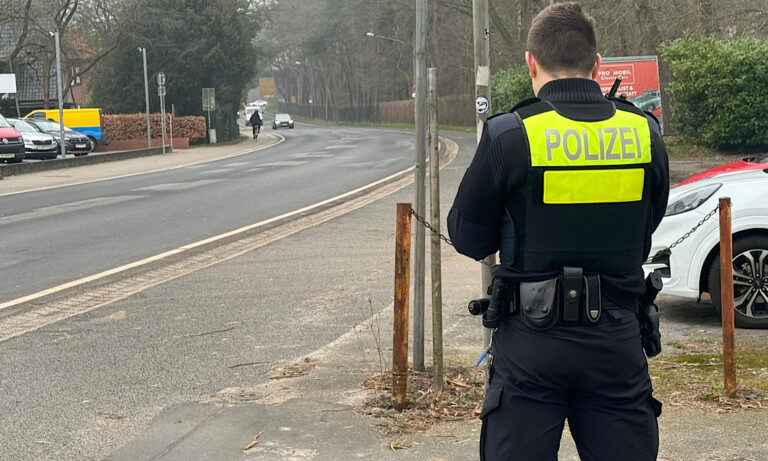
(720,89)
(508,87)
(134,126)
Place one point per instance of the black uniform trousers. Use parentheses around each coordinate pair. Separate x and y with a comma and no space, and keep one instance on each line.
(595,376)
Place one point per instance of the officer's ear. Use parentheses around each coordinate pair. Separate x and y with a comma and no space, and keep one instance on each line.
(596,69)
(531,61)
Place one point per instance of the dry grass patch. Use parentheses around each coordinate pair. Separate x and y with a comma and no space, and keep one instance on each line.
(461,399)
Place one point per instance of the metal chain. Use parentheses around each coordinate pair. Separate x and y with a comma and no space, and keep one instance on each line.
(668,250)
(435,231)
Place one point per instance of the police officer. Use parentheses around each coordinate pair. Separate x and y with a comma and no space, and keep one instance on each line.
(568,188)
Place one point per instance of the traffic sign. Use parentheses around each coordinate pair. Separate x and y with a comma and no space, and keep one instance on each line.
(161,79)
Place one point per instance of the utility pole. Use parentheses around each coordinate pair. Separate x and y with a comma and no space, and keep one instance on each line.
(146,96)
(420,107)
(481,30)
(58,89)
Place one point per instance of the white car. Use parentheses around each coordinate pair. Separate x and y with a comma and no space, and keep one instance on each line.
(693,267)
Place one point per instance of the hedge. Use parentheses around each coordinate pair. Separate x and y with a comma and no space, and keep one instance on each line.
(134,126)
(719,89)
(510,86)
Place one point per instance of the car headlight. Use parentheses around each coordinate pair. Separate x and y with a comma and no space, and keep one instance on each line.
(691,199)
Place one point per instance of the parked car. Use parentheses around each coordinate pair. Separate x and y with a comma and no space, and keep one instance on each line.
(76,143)
(693,267)
(649,101)
(11,143)
(89,122)
(282,121)
(37,144)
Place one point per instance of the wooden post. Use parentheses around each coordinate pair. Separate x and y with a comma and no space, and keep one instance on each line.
(402,289)
(726,297)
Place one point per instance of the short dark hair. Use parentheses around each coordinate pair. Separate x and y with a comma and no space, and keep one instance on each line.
(562,38)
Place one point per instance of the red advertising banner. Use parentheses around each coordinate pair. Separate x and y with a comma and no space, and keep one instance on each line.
(639,80)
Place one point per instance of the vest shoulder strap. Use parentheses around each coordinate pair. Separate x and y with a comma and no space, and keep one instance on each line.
(501,123)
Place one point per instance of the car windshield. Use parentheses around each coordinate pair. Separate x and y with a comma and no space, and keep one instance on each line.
(46,125)
(282,117)
(23,126)
(763,160)
(4,123)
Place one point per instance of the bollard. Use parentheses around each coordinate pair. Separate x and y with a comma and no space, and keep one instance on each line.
(726,297)
(402,289)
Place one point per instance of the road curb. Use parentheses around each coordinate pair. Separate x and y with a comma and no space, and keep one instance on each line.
(17,169)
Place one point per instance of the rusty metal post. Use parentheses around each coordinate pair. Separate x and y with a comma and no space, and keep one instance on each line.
(402,290)
(726,297)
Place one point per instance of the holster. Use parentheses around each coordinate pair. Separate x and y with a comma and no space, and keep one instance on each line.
(538,303)
(503,301)
(650,336)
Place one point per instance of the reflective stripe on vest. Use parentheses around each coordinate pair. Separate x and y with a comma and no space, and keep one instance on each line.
(585,149)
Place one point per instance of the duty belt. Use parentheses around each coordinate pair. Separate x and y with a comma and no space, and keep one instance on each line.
(570,299)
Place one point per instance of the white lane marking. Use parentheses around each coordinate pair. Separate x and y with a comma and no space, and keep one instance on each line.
(377,164)
(198,165)
(345,146)
(225,235)
(173,186)
(285,163)
(236,164)
(312,155)
(68,208)
(252,170)
(219,170)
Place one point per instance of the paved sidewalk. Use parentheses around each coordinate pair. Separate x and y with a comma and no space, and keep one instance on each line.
(313,416)
(178,158)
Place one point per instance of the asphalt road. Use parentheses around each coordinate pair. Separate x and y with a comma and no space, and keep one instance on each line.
(81,388)
(62,234)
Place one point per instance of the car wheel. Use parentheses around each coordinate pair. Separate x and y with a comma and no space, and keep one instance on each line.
(13,160)
(750,281)
(93,141)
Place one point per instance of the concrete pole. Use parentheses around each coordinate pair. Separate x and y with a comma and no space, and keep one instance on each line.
(482,51)
(434,202)
(420,78)
(58,90)
(146,96)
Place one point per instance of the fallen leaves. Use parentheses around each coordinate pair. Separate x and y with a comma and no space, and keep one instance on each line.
(293,370)
(254,442)
(461,399)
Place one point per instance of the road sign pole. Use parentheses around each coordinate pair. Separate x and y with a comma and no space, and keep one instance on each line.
(482,52)
(420,76)
(434,202)
(146,97)
(63,141)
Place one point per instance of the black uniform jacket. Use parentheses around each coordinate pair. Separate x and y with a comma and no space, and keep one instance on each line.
(500,167)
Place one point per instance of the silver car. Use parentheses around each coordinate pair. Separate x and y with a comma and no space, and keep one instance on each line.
(37,144)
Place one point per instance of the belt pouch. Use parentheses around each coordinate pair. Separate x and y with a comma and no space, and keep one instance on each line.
(572,286)
(593,305)
(537,303)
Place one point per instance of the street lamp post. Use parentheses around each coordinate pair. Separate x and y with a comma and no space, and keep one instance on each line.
(58,89)
(143,52)
(396,40)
